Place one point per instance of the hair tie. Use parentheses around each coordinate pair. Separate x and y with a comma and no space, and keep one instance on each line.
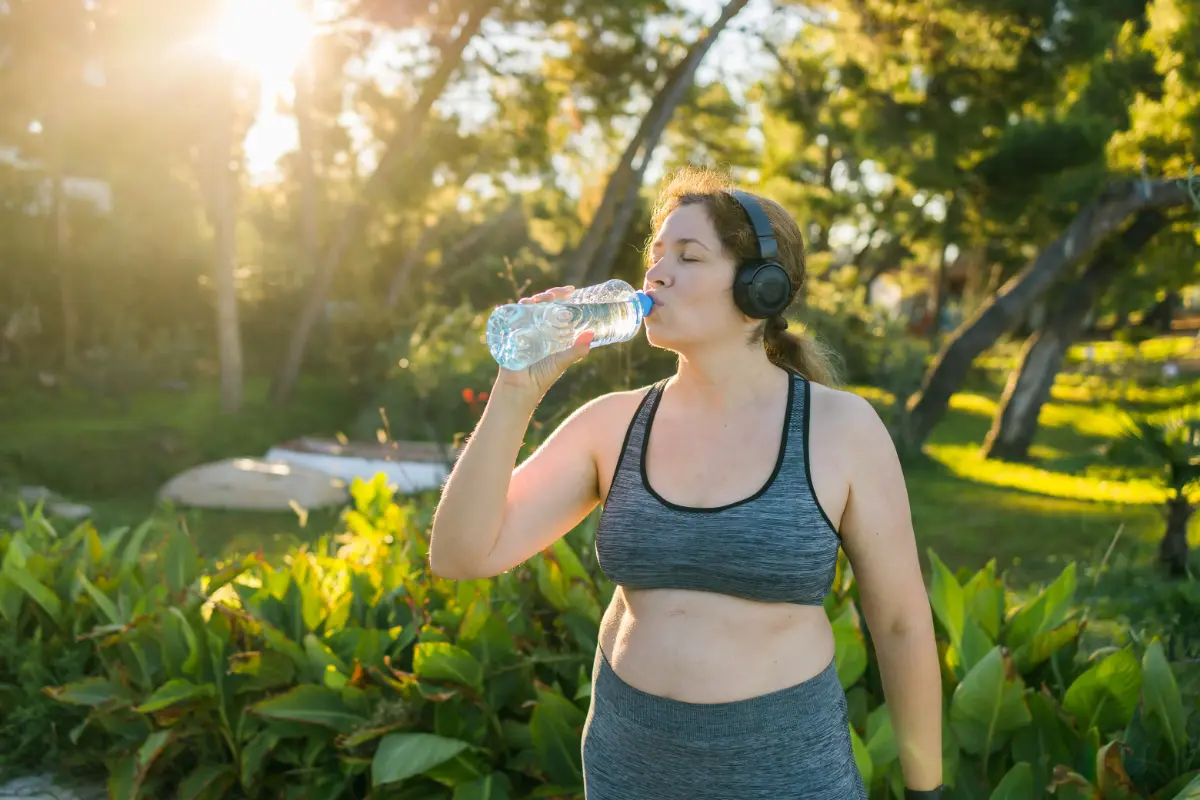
(777,324)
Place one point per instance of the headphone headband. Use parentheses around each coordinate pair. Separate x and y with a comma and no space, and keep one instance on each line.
(768,248)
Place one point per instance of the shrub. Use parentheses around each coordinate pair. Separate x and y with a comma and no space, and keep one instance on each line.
(347,670)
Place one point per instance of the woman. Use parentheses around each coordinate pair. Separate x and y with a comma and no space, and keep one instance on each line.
(726,490)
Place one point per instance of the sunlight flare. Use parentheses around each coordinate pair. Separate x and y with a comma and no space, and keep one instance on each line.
(271,37)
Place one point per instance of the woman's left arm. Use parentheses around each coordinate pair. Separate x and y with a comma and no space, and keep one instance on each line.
(877,535)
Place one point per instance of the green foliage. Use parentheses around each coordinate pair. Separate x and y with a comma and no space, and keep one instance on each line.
(1168,444)
(1136,596)
(346,669)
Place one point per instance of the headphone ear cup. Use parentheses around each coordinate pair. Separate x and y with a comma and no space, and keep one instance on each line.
(762,289)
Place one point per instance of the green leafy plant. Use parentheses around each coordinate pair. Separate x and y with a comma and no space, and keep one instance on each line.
(347,670)
(1170,446)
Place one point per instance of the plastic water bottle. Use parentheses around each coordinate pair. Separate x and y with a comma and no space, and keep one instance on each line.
(521,334)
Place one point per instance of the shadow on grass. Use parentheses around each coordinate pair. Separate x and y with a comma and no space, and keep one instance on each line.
(1031,517)
(1032,535)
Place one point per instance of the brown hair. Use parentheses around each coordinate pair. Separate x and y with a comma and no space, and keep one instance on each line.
(799,352)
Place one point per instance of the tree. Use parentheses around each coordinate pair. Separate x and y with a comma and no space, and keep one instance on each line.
(592,260)
(399,154)
(1031,380)
(1099,220)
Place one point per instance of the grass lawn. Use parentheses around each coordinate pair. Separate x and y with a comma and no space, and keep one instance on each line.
(1034,517)
(1030,517)
(115,458)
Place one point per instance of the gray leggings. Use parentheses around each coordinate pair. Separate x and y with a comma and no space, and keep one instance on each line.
(790,744)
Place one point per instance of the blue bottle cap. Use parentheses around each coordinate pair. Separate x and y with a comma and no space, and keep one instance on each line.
(646,302)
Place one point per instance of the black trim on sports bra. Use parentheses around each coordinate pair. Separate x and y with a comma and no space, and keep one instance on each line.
(808,463)
(783,442)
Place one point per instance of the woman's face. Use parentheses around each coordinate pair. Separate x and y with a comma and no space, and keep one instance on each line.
(691,281)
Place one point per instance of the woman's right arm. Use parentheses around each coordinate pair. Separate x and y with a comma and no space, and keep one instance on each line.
(491,516)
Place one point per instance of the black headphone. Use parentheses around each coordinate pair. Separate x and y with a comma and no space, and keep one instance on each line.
(762,287)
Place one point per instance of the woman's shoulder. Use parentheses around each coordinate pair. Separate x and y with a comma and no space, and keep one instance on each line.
(848,415)
(619,406)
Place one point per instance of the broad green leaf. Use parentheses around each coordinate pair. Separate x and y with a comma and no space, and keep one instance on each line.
(984,596)
(41,594)
(122,777)
(102,601)
(495,786)
(147,754)
(1045,644)
(263,671)
(90,692)
(192,664)
(321,657)
(254,756)
(1017,784)
(112,543)
(881,738)
(364,735)
(11,599)
(463,768)
(976,643)
(175,692)
(180,563)
(446,662)
(207,782)
(314,705)
(554,728)
(1045,612)
(988,705)
(1106,695)
(1046,742)
(551,583)
(280,643)
(134,549)
(946,597)
(862,758)
(1161,699)
(92,544)
(1111,778)
(572,567)
(850,648)
(1189,792)
(403,755)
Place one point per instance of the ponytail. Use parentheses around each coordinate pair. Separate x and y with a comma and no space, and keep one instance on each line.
(798,352)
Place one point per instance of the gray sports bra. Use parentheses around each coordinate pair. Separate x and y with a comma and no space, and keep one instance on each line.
(776,545)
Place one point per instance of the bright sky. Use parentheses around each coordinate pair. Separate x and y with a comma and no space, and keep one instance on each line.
(736,59)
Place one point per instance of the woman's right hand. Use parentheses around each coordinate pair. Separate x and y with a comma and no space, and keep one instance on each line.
(537,379)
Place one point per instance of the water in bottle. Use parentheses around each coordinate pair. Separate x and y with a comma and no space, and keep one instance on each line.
(521,334)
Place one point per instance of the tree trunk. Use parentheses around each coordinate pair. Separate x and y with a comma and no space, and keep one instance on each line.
(66,272)
(1029,385)
(309,230)
(1173,552)
(401,152)
(1091,226)
(224,223)
(592,260)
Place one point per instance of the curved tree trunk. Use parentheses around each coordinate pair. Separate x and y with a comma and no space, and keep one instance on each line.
(402,150)
(1092,225)
(592,259)
(305,82)
(1032,379)
(1173,552)
(224,223)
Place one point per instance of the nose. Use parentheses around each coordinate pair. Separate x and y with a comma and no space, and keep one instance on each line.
(657,275)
